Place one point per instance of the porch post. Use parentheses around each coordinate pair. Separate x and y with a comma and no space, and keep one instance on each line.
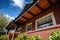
(14,31)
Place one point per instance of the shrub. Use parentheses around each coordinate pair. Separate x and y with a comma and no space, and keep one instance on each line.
(22,37)
(35,38)
(4,37)
(55,35)
(25,37)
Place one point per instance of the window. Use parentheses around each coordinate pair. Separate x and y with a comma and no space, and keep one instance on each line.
(19,29)
(45,21)
(28,27)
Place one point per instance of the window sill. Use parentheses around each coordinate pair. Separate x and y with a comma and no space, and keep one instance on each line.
(46,28)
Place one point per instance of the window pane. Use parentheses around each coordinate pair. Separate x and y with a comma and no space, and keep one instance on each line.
(44,22)
(29,27)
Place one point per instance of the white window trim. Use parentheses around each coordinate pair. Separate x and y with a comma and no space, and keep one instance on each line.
(27,26)
(53,19)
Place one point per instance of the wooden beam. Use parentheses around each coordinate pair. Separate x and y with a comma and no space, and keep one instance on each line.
(20,21)
(31,13)
(49,1)
(39,7)
(58,1)
(25,17)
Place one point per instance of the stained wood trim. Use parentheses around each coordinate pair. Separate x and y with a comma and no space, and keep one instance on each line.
(25,17)
(31,13)
(49,1)
(39,7)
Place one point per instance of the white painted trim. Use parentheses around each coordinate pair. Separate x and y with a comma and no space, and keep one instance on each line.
(29,2)
(27,26)
(53,19)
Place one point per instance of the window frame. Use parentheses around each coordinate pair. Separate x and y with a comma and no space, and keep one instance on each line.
(19,29)
(27,27)
(53,20)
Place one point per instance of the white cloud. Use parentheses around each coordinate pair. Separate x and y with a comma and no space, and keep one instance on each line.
(10,18)
(18,3)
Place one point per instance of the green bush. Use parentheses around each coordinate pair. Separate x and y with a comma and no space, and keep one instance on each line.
(55,35)
(22,37)
(35,38)
(4,37)
(25,37)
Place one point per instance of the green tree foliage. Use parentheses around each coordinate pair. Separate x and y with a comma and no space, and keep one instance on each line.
(55,35)
(3,22)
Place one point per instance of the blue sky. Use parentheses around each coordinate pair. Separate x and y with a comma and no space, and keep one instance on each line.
(11,8)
